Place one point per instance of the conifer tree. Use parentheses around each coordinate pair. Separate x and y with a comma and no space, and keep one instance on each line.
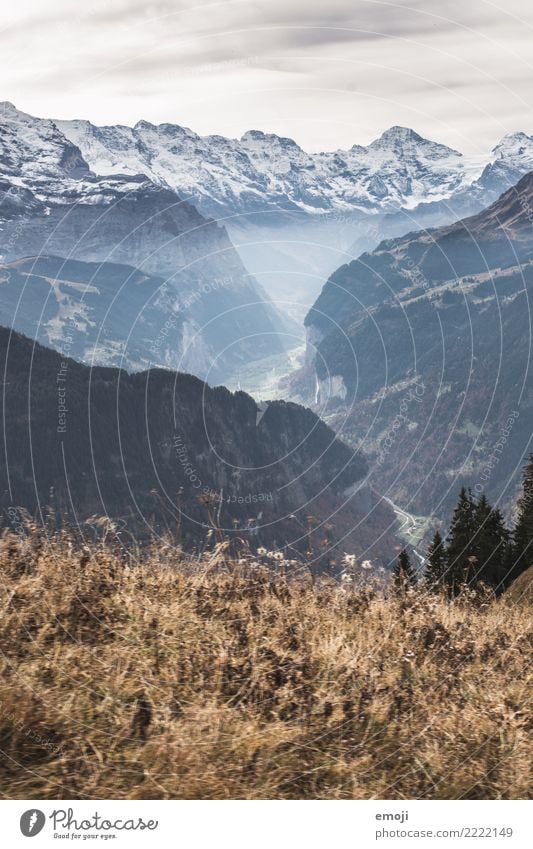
(461,542)
(478,545)
(404,574)
(436,563)
(491,546)
(523,532)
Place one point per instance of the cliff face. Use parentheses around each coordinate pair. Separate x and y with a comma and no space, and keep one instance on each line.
(159,449)
(426,343)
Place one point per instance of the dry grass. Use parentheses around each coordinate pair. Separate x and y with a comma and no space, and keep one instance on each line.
(227,680)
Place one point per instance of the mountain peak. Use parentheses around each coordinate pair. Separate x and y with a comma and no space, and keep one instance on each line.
(269,138)
(397,135)
(8,111)
(400,140)
(513,142)
(168,130)
(7,106)
(144,125)
(518,135)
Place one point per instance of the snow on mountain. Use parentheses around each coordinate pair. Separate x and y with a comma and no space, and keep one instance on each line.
(297,216)
(36,156)
(35,149)
(512,158)
(293,216)
(259,172)
(516,149)
(264,171)
(399,169)
(53,204)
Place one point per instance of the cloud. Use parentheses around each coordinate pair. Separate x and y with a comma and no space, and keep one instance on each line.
(330,75)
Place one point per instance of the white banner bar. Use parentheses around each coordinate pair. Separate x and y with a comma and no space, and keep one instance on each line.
(268,824)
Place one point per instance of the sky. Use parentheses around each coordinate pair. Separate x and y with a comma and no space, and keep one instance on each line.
(329,74)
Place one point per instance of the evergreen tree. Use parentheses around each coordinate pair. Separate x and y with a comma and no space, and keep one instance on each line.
(522,556)
(436,563)
(461,542)
(403,572)
(491,546)
(478,545)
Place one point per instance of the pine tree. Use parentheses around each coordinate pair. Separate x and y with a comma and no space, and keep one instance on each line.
(491,546)
(523,532)
(461,542)
(478,545)
(436,563)
(403,572)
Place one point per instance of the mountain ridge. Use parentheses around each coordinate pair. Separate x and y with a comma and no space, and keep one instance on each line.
(294,213)
(420,352)
(164,452)
(54,204)
(351,179)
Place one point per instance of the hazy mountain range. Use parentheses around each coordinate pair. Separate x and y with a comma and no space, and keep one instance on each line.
(203,314)
(297,215)
(110,255)
(289,213)
(423,348)
(263,171)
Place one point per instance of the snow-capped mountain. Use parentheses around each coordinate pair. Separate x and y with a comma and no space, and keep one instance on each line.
(53,204)
(511,159)
(262,171)
(295,216)
(34,150)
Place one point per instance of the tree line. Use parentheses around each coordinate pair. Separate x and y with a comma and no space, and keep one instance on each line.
(478,549)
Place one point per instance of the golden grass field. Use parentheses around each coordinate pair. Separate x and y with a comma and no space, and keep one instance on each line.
(224,679)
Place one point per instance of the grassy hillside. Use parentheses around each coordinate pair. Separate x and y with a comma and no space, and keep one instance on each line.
(225,679)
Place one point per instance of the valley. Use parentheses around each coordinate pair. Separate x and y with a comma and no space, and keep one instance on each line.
(349,282)
(266,405)
(270,378)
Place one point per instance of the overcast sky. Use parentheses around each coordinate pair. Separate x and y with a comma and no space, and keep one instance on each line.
(327,74)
